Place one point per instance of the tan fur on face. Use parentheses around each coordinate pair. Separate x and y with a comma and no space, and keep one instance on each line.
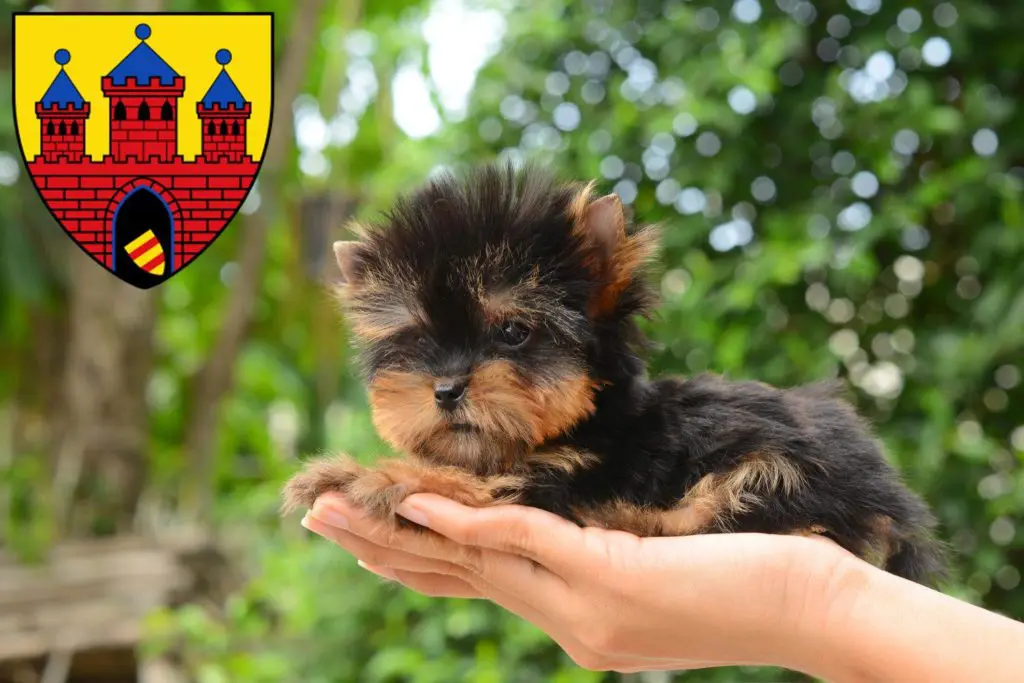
(501,306)
(510,303)
(504,402)
(380,489)
(513,415)
(402,407)
(378,309)
(380,323)
(478,452)
(530,302)
(565,403)
(376,304)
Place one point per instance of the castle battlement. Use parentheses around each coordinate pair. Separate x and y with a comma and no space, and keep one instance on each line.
(63,165)
(153,86)
(232,110)
(70,110)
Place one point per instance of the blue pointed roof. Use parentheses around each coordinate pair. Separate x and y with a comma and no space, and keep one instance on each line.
(143,63)
(223,92)
(63,92)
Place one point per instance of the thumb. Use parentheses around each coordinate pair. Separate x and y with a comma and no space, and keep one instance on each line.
(547,539)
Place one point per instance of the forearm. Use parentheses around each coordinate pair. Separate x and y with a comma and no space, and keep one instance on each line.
(879,627)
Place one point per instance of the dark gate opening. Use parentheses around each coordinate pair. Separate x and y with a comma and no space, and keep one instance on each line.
(143,239)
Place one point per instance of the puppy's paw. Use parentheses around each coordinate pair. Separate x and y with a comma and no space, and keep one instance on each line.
(319,477)
(380,489)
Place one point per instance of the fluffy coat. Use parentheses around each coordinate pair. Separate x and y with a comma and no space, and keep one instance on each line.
(496,318)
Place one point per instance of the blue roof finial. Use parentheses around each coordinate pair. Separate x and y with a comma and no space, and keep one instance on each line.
(62,92)
(142,63)
(223,92)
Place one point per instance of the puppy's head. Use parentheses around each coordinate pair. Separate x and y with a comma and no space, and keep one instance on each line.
(490,310)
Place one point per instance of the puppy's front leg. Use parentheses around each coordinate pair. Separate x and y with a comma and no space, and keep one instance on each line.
(380,488)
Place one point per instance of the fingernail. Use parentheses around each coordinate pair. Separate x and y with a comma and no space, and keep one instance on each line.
(413,515)
(330,517)
(382,572)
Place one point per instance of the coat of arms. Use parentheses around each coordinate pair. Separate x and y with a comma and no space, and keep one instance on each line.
(143,133)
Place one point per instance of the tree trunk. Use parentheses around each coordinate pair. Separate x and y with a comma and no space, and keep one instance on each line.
(215,377)
(100,432)
(103,428)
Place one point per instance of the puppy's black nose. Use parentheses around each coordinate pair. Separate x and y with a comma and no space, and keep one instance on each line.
(449,392)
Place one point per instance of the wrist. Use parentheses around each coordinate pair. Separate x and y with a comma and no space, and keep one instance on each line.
(881,627)
(824,592)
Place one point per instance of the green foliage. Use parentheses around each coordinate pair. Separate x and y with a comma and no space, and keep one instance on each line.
(832,204)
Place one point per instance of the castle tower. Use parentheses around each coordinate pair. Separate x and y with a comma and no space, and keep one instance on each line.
(224,115)
(143,91)
(62,113)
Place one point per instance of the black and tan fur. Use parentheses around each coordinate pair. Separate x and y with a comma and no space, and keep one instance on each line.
(443,290)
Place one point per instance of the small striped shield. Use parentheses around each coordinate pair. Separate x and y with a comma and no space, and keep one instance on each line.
(147,253)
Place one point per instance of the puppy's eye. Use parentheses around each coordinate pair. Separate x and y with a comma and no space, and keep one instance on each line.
(514,333)
(421,341)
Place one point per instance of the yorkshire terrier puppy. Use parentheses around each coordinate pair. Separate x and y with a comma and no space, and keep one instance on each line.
(496,318)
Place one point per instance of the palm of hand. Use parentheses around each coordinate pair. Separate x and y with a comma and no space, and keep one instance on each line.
(611,600)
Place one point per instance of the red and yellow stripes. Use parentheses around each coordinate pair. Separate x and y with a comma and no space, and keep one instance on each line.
(147,253)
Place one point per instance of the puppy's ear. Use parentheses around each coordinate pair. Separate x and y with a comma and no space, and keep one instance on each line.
(605,225)
(346,254)
(600,225)
(613,256)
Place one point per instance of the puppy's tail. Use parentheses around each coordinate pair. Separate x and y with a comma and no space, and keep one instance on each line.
(919,557)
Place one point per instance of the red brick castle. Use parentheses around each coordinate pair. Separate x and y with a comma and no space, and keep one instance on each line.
(142,210)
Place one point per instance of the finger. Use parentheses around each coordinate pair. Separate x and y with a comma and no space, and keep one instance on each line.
(335,511)
(432,585)
(373,554)
(497,573)
(639,666)
(372,541)
(547,539)
(382,572)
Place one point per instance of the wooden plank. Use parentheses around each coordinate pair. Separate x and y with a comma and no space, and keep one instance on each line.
(88,594)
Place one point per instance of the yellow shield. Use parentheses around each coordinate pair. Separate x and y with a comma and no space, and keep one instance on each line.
(143,133)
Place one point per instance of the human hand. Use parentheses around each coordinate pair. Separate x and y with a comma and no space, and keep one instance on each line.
(611,600)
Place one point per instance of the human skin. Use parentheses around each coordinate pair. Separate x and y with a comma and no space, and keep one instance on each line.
(617,602)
